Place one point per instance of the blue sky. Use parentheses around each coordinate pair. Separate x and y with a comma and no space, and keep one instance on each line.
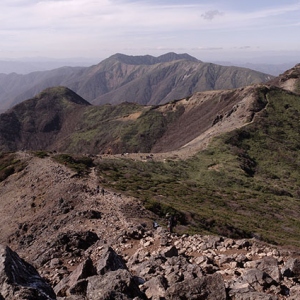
(223,30)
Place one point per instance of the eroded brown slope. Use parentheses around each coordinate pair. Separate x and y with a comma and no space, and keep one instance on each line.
(206,115)
(289,80)
(46,200)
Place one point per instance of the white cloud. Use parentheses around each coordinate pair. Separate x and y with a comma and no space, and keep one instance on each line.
(85,26)
(211,14)
(208,48)
(89,14)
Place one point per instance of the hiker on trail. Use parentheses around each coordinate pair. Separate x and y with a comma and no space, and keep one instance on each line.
(170,226)
(102,191)
(174,220)
(171,222)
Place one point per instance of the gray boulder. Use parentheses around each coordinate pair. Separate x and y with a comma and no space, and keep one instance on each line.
(110,261)
(70,285)
(20,280)
(253,280)
(151,267)
(209,287)
(118,285)
(155,288)
(169,251)
(269,265)
(254,296)
(292,268)
(110,280)
(72,297)
(294,293)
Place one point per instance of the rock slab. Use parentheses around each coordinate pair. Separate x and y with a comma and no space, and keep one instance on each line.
(20,280)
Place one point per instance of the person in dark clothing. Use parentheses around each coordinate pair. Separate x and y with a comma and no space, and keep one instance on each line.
(171,222)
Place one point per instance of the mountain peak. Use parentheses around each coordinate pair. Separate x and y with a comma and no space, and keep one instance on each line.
(62,92)
(151,60)
(170,56)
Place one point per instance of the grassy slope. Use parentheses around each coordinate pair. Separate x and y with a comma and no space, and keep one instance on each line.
(111,127)
(245,184)
(9,165)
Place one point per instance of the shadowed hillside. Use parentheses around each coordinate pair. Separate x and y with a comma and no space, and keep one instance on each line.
(39,122)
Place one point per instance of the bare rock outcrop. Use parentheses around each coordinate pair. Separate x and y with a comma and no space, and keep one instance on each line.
(117,285)
(188,267)
(214,267)
(110,261)
(20,280)
(110,279)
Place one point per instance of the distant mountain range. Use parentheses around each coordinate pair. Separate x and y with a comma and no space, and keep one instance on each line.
(59,119)
(272,69)
(121,78)
(35,64)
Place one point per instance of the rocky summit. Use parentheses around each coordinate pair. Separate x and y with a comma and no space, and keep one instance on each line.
(154,264)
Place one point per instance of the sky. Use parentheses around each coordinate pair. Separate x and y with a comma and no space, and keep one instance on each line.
(211,30)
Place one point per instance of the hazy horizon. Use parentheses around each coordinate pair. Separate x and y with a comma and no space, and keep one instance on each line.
(260,58)
(32,64)
(220,30)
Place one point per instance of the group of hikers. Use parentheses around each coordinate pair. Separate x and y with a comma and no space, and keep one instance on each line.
(171,222)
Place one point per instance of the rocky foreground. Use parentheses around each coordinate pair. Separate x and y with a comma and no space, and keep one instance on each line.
(61,239)
(154,264)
